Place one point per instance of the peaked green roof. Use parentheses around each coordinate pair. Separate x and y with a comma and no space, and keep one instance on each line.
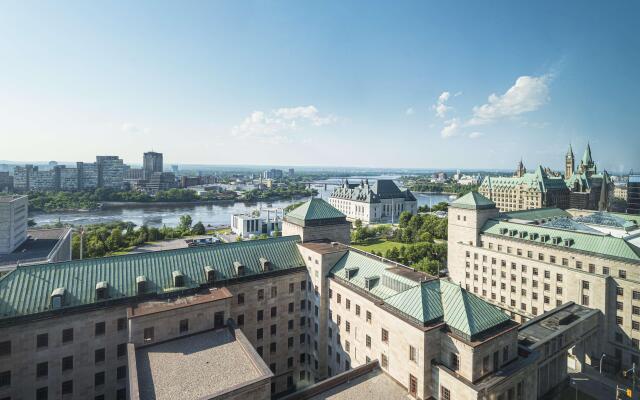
(424,301)
(27,289)
(474,201)
(586,157)
(315,209)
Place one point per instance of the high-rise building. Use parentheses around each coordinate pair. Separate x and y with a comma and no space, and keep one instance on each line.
(68,178)
(151,163)
(272,174)
(87,175)
(161,181)
(633,194)
(13,222)
(110,172)
(6,181)
(529,262)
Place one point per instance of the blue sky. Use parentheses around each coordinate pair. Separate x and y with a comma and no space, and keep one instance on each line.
(379,84)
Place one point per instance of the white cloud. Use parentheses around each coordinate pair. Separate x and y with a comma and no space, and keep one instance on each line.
(133,129)
(451,128)
(276,125)
(475,135)
(440,107)
(410,111)
(529,93)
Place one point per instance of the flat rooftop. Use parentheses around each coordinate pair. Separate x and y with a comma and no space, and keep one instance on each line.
(197,366)
(37,247)
(10,198)
(325,247)
(156,306)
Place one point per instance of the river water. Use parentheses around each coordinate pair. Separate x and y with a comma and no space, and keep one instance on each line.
(209,214)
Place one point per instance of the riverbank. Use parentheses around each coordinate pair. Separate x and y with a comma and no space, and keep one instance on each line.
(105,205)
(436,193)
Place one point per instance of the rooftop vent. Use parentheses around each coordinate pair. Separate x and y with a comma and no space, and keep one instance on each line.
(557,240)
(239,267)
(209,274)
(265,264)
(371,281)
(178,279)
(351,272)
(102,290)
(141,284)
(57,298)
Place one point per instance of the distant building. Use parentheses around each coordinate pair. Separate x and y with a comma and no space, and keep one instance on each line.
(633,194)
(6,182)
(272,174)
(247,225)
(13,222)
(87,175)
(151,163)
(620,190)
(40,246)
(291,172)
(188,181)
(161,181)
(67,178)
(175,169)
(382,201)
(582,187)
(133,174)
(110,172)
(30,178)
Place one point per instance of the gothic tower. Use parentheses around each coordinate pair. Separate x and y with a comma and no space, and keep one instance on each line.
(521,170)
(569,164)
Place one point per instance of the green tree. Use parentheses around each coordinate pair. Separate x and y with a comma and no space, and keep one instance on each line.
(442,206)
(198,229)
(358,223)
(404,219)
(186,221)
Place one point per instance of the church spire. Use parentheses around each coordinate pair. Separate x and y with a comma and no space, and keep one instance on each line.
(586,158)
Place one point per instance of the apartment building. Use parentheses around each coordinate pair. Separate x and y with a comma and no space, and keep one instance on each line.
(13,222)
(529,262)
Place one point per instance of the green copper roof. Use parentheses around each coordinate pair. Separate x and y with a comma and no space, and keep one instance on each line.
(599,243)
(467,313)
(27,289)
(586,157)
(424,301)
(474,201)
(536,214)
(315,209)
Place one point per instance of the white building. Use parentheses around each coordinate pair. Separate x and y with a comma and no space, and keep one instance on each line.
(247,225)
(13,222)
(382,201)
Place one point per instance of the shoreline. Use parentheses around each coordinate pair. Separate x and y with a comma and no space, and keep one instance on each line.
(437,193)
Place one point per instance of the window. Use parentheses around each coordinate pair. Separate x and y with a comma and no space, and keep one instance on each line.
(559,277)
(636,295)
(303,285)
(121,372)
(585,300)
(338,298)
(291,287)
(67,387)
(260,294)
(290,342)
(67,335)
(259,350)
(260,315)
(5,378)
(619,291)
(184,325)
(42,340)
(347,326)
(445,394)
(347,346)
(291,307)
(273,329)
(122,324)
(348,304)
(622,274)
(240,298)
(98,379)
(274,291)
(99,355)
(357,309)
(413,354)
(67,363)
(42,393)
(619,320)
(121,350)
(384,361)
(505,354)
(635,325)
(272,347)
(240,320)
(605,270)
(619,305)
(368,341)
(99,328)
(455,362)
(385,336)
(259,333)
(42,369)
(274,312)
(368,316)
(148,334)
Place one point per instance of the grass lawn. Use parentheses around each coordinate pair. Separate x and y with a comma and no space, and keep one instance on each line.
(377,245)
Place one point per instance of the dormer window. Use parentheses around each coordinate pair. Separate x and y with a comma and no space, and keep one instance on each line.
(141,284)
(568,242)
(351,272)
(178,279)
(265,264)
(210,274)
(557,240)
(371,281)
(102,290)
(239,267)
(57,298)
(523,235)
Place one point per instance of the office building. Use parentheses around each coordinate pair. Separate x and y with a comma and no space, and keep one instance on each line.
(248,225)
(382,201)
(161,181)
(633,194)
(272,174)
(13,222)
(67,178)
(6,182)
(581,187)
(151,163)
(110,172)
(529,262)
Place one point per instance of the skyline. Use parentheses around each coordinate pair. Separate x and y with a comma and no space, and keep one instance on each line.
(411,85)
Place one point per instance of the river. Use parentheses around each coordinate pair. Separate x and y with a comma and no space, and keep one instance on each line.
(209,214)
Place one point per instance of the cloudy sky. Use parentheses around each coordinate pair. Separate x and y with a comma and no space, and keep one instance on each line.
(381,84)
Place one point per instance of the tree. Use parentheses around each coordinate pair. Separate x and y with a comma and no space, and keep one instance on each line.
(186,221)
(358,223)
(198,229)
(404,219)
(442,206)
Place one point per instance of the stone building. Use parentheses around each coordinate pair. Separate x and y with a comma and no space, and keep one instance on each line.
(382,201)
(317,220)
(580,187)
(267,317)
(529,262)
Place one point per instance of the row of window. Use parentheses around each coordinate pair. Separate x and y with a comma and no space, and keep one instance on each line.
(42,393)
